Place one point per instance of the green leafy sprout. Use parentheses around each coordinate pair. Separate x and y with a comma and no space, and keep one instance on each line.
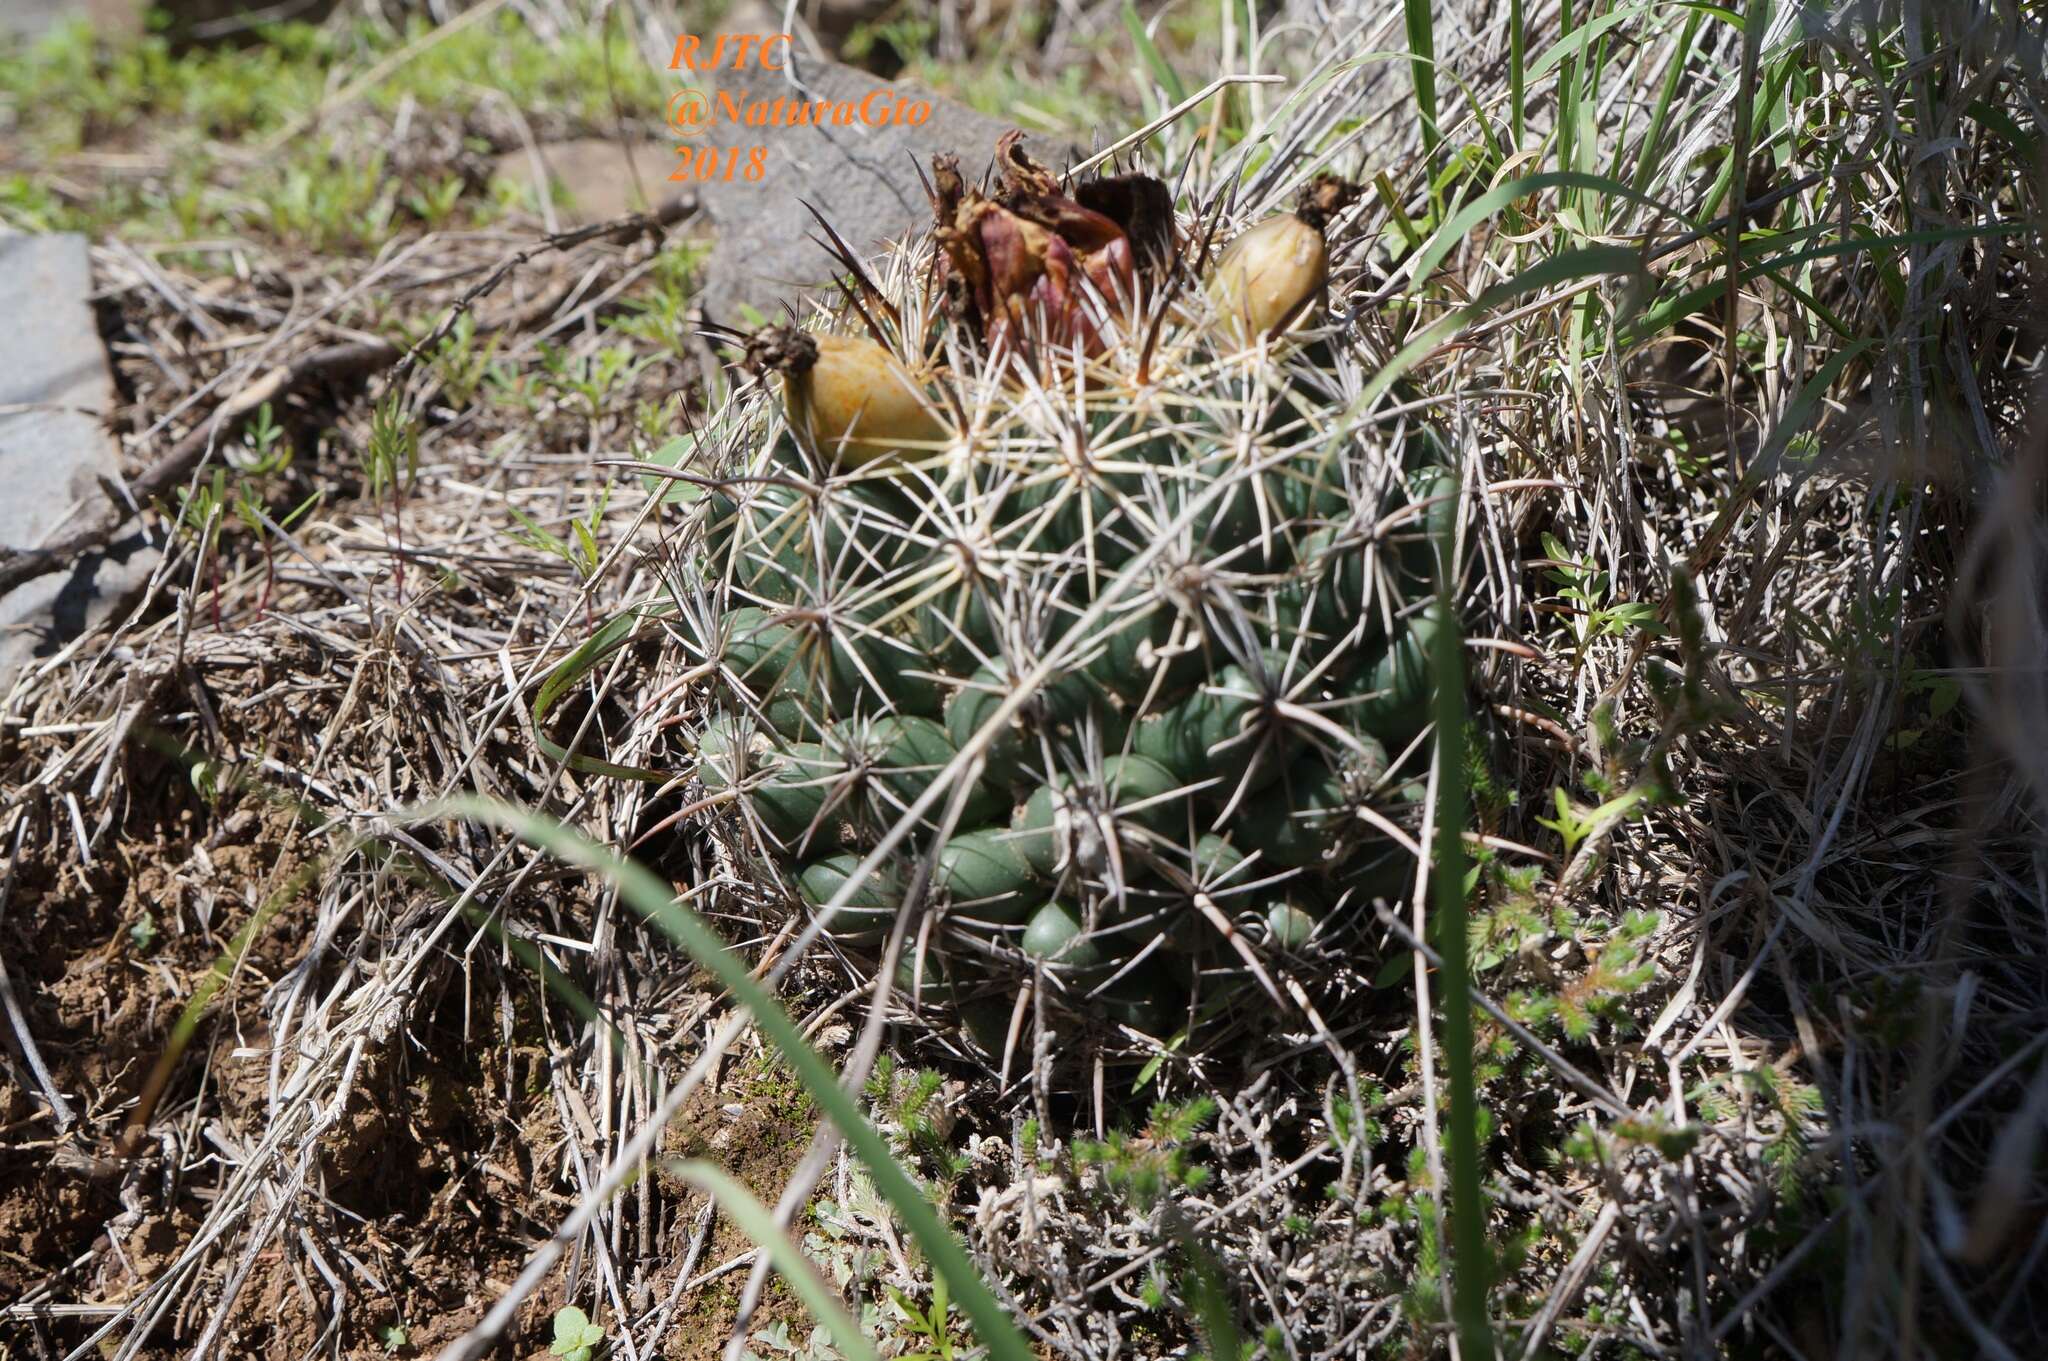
(576,1337)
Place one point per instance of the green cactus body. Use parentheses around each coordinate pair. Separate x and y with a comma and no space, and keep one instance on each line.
(908,753)
(1147,1000)
(939,982)
(1289,924)
(787,670)
(1299,826)
(1398,688)
(970,708)
(1038,835)
(983,877)
(867,915)
(1056,937)
(1237,636)
(724,754)
(803,802)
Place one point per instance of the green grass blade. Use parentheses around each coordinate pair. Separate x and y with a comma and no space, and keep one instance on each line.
(1518,79)
(653,900)
(1653,138)
(1460,225)
(1580,38)
(1727,16)
(1567,98)
(1585,262)
(1496,154)
(1663,315)
(1470,1257)
(615,634)
(2005,125)
(1148,52)
(757,1222)
(1422,61)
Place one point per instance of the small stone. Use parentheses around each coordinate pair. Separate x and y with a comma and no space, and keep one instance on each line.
(55,391)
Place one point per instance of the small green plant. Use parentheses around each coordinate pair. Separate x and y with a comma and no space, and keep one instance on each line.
(661,317)
(576,1337)
(1145,1167)
(462,363)
(909,1101)
(1938,692)
(264,446)
(1618,969)
(391,464)
(1145,1170)
(435,203)
(1586,588)
(1575,824)
(930,1326)
(653,421)
(204,510)
(249,509)
(907,35)
(1782,1107)
(579,548)
(206,780)
(142,934)
(201,511)
(588,380)
(326,200)
(393,1336)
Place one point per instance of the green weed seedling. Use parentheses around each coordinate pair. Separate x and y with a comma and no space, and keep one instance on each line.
(932,1329)
(590,380)
(907,1101)
(1587,587)
(463,364)
(1144,1170)
(391,465)
(661,318)
(576,1337)
(579,547)
(1146,1167)
(201,511)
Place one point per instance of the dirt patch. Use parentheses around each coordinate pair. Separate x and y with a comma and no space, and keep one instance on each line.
(429,1196)
(98,995)
(757,1125)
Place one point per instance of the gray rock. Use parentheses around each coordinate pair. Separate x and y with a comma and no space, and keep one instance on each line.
(55,390)
(863,179)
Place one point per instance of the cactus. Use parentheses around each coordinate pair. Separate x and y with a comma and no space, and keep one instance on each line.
(1110,567)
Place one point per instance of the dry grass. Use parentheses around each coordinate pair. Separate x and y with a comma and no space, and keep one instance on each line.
(389,1118)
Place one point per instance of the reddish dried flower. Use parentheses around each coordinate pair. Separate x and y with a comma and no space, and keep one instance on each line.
(1014,264)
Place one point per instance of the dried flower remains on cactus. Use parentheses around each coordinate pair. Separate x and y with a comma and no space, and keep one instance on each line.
(1036,265)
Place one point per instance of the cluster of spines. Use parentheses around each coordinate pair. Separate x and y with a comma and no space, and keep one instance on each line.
(1197,764)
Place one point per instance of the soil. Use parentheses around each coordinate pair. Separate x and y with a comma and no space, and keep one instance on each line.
(430,1185)
(757,1126)
(442,1175)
